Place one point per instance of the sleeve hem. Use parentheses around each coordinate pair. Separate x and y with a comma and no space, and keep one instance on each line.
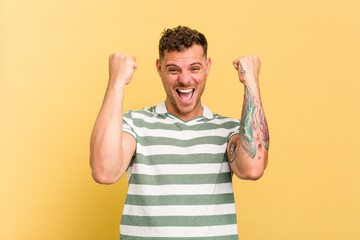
(130,132)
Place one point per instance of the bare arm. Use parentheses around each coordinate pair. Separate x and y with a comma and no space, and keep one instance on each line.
(248,150)
(110,148)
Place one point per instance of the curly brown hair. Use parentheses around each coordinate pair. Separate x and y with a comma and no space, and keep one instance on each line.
(180,38)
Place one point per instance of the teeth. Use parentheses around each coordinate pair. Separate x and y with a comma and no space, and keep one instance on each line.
(185,90)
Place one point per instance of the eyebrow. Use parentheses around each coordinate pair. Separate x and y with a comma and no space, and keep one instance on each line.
(196,63)
(174,65)
(171,65)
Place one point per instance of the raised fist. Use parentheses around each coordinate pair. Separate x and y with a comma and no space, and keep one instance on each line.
(121,68)
(248,68)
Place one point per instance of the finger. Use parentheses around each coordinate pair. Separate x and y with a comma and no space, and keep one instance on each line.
(236,65)
(237,61)
(133,58)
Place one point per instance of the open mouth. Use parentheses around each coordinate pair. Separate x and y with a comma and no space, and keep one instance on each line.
(185,94)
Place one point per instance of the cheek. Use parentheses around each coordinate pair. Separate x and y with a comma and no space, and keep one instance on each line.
(200,80)
(168,82)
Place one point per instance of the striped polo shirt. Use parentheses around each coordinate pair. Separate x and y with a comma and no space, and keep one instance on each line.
(180,183)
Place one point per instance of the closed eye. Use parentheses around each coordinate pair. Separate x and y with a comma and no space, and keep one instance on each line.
(195,69)
(172,70)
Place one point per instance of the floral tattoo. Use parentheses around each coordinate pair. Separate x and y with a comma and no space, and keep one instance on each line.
(253,121)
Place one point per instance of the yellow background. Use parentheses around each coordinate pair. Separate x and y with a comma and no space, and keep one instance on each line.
(53,66)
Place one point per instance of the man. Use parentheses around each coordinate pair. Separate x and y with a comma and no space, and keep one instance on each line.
(179,156)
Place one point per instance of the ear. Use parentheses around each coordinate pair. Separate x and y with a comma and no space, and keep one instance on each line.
(208,65)
(158,66)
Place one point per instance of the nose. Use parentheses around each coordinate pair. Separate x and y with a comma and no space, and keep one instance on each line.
(185,78)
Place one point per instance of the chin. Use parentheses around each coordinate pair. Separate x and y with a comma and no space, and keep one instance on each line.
(183,108)
(186,109)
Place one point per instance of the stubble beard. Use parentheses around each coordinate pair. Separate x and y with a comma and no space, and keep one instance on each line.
(180,107)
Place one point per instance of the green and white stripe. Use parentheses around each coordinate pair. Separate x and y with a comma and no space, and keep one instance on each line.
(228,232)
(161,169)
(180,183)
(180,210)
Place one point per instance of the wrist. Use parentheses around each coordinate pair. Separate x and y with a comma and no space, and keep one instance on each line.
(118,82)
(117,85)
(251,83)
(253,87)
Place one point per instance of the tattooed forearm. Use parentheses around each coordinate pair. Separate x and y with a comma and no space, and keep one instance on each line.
(246,125)
(262,124)
(253,125)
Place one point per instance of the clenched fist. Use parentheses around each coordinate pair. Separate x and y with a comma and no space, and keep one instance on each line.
(121,68)
(248,68)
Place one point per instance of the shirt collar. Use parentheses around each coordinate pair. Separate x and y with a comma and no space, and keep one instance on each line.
(161,109)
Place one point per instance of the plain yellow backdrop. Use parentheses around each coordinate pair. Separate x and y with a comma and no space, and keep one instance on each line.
(53,69)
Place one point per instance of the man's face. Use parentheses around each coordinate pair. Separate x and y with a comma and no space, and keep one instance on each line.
(183,75)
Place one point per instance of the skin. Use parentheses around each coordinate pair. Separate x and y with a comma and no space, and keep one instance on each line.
(185,70)
(111,149)
(248,150)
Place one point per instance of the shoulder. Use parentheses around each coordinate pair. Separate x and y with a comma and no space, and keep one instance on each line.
(228,124)
(208,114)
(224,119)
(145,112)
(218,116)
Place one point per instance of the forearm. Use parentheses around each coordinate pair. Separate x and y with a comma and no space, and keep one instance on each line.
(250,149)
(106,153)
(109,155)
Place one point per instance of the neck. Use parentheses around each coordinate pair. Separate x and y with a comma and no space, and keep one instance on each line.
(184,115)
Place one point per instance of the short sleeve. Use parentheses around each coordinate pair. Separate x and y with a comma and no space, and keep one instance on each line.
(128,125)
(235,129)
